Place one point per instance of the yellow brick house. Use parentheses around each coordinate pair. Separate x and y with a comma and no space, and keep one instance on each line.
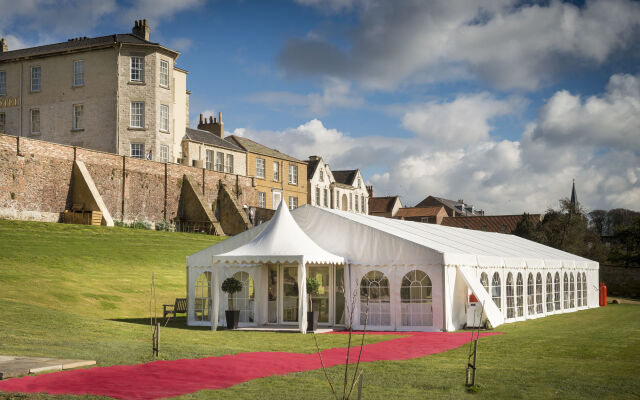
(277,175)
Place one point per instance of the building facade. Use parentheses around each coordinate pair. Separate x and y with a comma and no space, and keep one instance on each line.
(278,177)
(342,190)
(120,93)
(454,208)
(429,215)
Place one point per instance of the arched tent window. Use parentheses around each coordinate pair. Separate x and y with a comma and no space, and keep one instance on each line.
(549,292)
(520,295)
(565,291)
(530,295)
(511,310)
(572,291)
(556,291)
(484,281)
(202,297)
(579,289)
(584,289)
(415,295)
(495,290)
(374,289)
(244,300)
(539,308)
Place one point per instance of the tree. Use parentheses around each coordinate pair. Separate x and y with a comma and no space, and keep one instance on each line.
(625,247)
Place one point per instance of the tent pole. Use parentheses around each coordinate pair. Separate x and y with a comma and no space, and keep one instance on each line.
(302,296)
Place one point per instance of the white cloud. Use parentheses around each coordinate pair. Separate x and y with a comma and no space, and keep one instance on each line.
(462,121)
(180,44)
(508,43)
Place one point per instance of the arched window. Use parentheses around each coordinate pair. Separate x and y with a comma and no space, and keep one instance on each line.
(565,292)
(539,307)
(202,297)
(556,291)
(579,289)
(495,290)
(511,310)
(374,290)
(484,281)
(584,290)
(531,302)
(244,300)
(415,294)
(572,291)
(549,292)
(520,295)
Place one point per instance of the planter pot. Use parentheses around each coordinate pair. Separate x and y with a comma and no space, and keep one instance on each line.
(312,321)
(232,318)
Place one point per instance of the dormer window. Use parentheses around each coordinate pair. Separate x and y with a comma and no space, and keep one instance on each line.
(321,176)
(359,183)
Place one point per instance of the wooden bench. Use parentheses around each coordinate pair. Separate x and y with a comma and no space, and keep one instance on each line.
(180,307)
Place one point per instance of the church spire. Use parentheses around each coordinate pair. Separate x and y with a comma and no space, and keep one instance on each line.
(574,196)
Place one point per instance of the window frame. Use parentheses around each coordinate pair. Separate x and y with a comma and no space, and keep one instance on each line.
(164,153)
(219,161)
(78,117)
(260,172)
(141,148)
(3,83)
(262,199)
(209,156)
(141,115)
(78,74)
(293,202)
(228,164)
(137,68)
(293,174)
(32,112)
(164,118)
(276,171)
(39,79)
(163,75)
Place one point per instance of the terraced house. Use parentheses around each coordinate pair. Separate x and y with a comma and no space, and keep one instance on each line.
(341,190)
(119,93)
(278,177)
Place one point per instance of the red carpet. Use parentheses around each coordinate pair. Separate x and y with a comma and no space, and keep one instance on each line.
(161,379)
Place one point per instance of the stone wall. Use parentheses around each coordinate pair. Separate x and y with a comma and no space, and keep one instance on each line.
(35,179)
(621,281)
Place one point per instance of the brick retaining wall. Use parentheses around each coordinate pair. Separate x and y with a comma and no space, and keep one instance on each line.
(35,177)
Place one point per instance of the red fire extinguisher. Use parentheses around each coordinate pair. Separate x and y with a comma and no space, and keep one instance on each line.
(603,294)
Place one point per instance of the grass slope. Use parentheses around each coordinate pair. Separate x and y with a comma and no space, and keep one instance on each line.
(83,292)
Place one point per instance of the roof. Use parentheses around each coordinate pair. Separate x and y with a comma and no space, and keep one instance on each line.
(347,176)
(78,44)
(382,204)
(450,204)
(257,148)
(312,164)
(411,212)
(489,223)
(202,136)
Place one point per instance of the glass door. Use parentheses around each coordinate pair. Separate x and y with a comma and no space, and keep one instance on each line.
(339,295)
(272,293)
(321,301)
(289,294)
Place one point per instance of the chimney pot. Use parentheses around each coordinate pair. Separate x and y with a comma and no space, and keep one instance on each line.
(214,121)
(141,29)
(3,46)
(200,118)
(220,116)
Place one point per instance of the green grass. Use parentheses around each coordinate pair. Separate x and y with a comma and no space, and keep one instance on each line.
(83,292)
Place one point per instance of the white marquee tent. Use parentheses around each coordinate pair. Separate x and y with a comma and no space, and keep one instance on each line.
(408,275)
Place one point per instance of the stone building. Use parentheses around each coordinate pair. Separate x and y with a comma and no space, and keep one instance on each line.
(277,175)
(206,147)
(454,208)
(119,93)
(343,190)
(430,215)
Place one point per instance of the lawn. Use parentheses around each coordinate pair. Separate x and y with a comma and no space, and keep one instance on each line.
(83,292)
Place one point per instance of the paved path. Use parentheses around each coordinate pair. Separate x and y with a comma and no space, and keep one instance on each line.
(160,379)
(11,366)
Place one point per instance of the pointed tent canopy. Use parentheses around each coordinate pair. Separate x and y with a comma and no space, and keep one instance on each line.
(282,241)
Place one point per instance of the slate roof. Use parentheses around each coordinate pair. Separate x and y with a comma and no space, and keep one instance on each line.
(312,164)
(199,135)
(412,212)
(488,223)
(257,148)
(448,204)
(381,204)
(77,44)
(346,176)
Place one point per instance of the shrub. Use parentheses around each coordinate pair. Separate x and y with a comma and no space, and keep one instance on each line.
(164,226)
(230,286)
(140,225)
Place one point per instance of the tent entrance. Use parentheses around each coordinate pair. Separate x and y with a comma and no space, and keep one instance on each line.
(283,295)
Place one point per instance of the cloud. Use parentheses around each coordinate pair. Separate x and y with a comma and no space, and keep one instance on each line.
(462,121)
(336,93)
(156,10)
(507,43)
(499,176)
(180,44)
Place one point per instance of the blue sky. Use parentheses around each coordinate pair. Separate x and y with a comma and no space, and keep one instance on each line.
(498,102)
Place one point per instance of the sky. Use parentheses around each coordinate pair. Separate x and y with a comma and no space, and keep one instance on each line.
(500,103)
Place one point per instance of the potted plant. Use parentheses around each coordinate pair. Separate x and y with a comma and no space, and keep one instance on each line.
(313,289)
(230,286)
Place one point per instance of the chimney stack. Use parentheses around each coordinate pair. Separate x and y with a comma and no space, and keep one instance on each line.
(141,29)
(212,125)
(370,190)
(3,46)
